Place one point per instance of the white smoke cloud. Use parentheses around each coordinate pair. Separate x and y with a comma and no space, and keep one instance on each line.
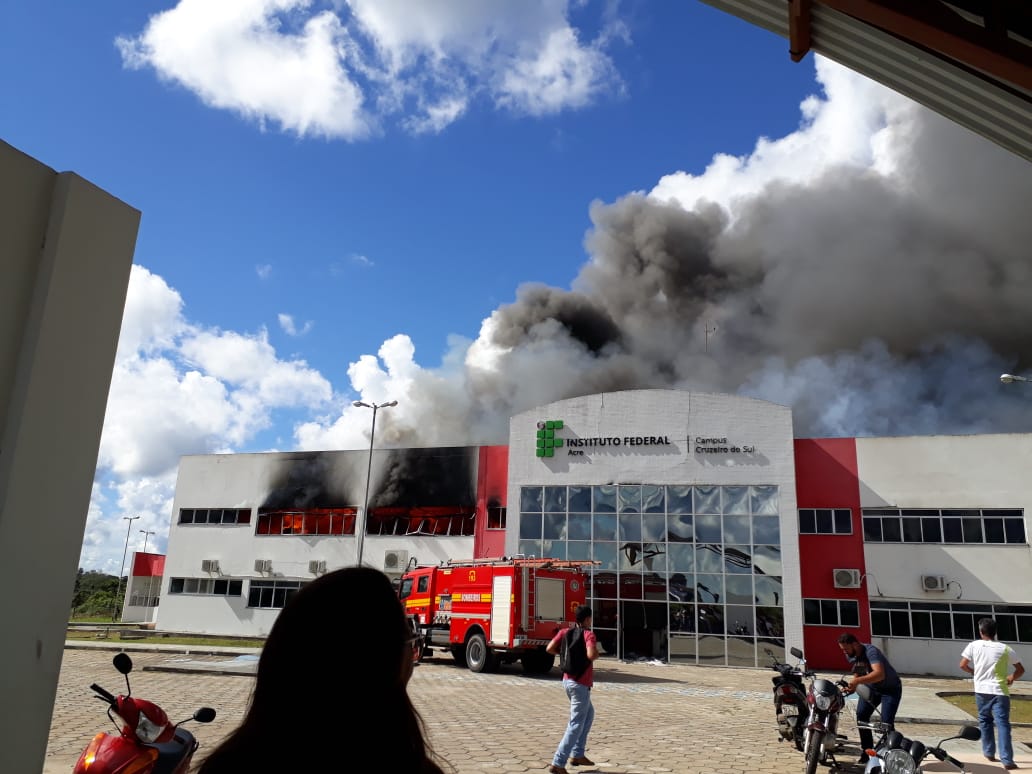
(339,71)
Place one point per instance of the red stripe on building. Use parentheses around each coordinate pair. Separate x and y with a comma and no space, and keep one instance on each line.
(492,492)
(148,565)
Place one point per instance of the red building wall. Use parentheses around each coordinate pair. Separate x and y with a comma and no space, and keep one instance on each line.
(492,490)
(148,565)
(826,477)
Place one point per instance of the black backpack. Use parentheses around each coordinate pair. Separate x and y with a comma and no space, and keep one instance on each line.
(573,653)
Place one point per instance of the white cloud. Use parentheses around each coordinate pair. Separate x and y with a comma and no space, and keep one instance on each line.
(362,260)
(339,73)
(263,270)
(289,327)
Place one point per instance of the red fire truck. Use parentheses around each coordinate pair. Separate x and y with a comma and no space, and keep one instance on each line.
(493,611)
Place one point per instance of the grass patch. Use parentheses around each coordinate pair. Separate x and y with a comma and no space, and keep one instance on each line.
(1021,707)
(101,619)
(157,639)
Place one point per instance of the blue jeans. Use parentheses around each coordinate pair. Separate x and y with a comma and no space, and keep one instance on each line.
(582,715)
(887,703)
(995,710)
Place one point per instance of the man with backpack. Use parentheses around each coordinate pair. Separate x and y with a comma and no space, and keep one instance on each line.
(576,648)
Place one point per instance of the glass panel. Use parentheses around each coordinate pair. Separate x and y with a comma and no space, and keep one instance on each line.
(682,619)
(530,526)
(679,499)
(872,529)
(708,558)
(603,586)
(711,647)
(579,526)
(530,548)
(994,531)
(891,532)
(709,589)
(807,521)
(236,587)
(741,651)
(825,521)
(738,529)
(604,499)
(707,499)
(555,499)
(952,531)
(220,587)
(652,499)
(768,591)
(553,549)
(630,556)
(186,516)
(843,521)
(707,529)
(680,528)
(900,621)
(605,526)
(1025,628)
(630,527)
(578,550)
(190,587)
(655,585)
(922,623)
(1015,529)
(767,560)
(201,516)
(964,626)
(229,516)
(972,530)
(653,527)
(766,530)
(737,559)
(554,526)
(630,586)
(654,557)
(244,516)
(941,626)
(254,596)
(739,589)
(630,499)
(911,530)
(739,619)
(579,498)
(770,621)
(606,554)
(683,649)
(849,613)
(682,557)
(931,530)
(1007,628)
(829,612)
(682,587)
(765,500)
(175,586)
(531,499)
(880,623)
(736,500)
(606,641)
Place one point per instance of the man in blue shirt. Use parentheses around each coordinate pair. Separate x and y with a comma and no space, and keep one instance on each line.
(871,668)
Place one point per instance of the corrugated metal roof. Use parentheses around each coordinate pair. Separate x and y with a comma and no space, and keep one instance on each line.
(998,112)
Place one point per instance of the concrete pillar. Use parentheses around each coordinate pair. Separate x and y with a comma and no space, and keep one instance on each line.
(66,248)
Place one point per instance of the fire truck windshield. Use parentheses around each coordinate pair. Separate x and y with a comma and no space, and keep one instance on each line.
(406,588)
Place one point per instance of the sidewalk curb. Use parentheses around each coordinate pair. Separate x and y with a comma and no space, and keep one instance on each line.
(187,650)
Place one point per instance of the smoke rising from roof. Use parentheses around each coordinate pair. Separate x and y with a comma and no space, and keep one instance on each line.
(873,270)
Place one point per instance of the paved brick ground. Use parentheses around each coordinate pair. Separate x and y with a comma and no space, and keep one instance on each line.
(686,720)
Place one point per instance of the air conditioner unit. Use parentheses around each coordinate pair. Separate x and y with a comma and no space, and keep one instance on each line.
(263,565)
(846,579)
(933,582)
(209,565)
(395,561)
(317,566)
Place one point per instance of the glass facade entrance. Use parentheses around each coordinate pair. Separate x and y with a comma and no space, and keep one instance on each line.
(687,573)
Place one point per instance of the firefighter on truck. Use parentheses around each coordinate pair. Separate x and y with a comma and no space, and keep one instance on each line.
(488,612)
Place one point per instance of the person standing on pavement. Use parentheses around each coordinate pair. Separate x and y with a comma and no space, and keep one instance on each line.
(990,662)
(578,690)
(871,668)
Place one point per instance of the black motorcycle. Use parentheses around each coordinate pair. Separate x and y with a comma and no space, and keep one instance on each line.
(790,707)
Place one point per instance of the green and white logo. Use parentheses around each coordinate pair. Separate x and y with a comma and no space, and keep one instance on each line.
(547,442)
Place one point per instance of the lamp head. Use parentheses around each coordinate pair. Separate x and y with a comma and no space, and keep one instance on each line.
(389,403)
(360,404)
(1006,378)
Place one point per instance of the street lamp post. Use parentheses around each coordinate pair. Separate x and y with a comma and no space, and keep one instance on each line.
(146,534)
(128,530)
(360,523)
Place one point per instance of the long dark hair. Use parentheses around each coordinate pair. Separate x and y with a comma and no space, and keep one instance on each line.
(330,694)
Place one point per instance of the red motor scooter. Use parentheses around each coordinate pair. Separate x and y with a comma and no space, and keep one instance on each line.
(146,743)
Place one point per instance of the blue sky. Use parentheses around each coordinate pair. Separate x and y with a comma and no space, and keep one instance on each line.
(330,187)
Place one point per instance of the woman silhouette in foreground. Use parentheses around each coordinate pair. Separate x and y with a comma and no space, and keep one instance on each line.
(330,694)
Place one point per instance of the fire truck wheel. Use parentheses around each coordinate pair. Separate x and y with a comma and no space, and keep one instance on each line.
(459,654)
(478,657)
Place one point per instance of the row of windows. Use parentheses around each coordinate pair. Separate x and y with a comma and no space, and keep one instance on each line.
(215,516)
(831,612)
(648,498)
(317,521)
(261,593)
(949,620)
(825,521)
(758,590)
(219,587)
(949,525)
(652,528)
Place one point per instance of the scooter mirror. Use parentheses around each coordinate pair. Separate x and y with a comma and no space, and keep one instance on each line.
(796,652)
(971,733)
(123,663)
(204,715)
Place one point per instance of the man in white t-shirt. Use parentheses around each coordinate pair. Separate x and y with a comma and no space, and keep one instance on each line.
(990,662)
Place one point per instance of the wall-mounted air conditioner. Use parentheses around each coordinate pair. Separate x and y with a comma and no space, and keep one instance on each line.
(209,565)
(394,562)
(846,579)
(263,565)
(933,582)
(317,566)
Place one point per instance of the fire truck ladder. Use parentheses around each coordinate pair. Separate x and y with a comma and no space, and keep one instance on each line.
(520,561)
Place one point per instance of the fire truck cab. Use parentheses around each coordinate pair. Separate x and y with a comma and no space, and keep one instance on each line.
(492,611)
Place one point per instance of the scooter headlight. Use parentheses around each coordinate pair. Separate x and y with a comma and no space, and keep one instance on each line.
(823,702)
(899,762)
(148,731)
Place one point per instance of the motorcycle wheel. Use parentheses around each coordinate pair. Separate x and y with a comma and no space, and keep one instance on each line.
(813,751)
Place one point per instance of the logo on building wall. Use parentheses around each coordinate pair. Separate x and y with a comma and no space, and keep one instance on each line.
(547,442)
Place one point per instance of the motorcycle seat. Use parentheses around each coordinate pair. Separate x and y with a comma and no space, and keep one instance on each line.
(170,754)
